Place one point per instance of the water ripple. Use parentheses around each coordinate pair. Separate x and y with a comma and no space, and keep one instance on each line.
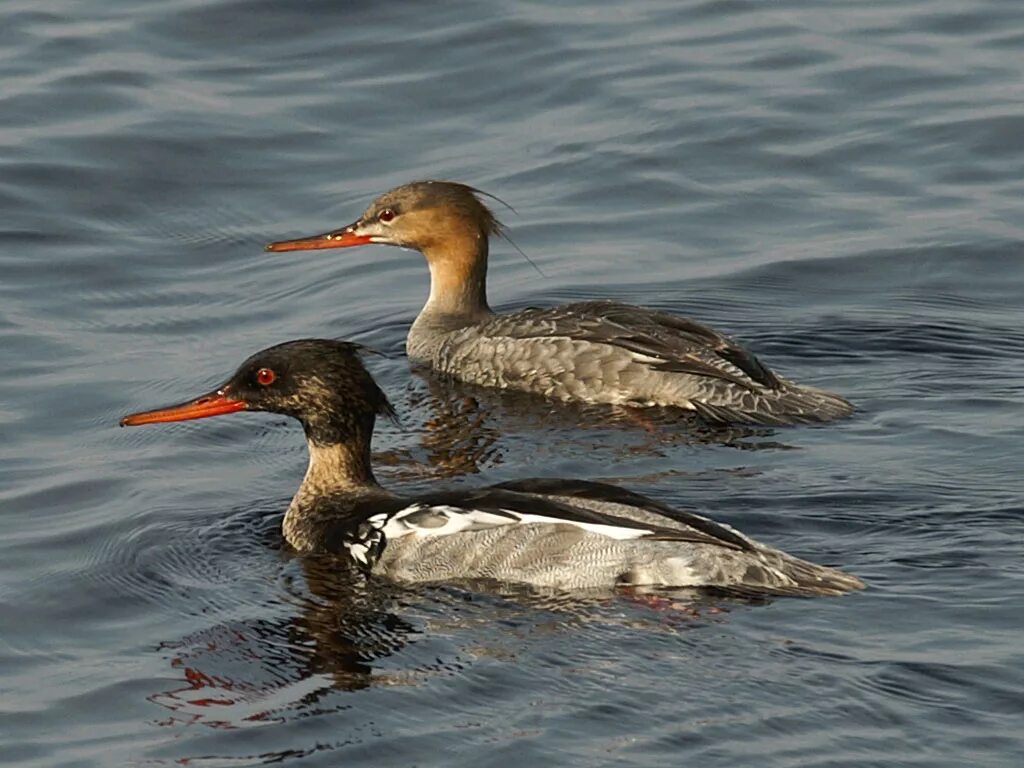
(837,186)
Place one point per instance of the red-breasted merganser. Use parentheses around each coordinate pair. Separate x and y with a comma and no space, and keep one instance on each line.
(593,351)
(563,534)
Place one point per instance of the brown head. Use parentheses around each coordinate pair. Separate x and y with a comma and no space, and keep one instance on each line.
(422,215)
(444,220)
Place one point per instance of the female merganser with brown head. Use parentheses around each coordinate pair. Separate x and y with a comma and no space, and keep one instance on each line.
(563,534)
(592,351)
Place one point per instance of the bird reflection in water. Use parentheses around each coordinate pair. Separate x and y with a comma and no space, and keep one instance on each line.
(335,625)
(466,428)
(339,629)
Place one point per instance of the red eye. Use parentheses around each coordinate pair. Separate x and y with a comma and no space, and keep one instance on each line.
(265,376)
(386,215)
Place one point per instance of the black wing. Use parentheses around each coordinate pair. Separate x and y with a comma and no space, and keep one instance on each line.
(358,527)
(505,499)
(613,494)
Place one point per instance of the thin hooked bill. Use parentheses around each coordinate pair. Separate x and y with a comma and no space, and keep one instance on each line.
(213,404)
(342,238)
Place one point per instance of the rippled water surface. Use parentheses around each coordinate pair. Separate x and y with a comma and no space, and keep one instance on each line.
(837,184)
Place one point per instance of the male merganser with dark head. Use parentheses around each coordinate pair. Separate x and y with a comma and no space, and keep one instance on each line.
(563,534)
(594,351)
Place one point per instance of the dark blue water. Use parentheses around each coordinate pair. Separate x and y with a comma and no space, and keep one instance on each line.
(837,184)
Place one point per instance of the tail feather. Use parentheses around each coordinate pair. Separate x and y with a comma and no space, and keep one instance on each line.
(798,578)
(790,404)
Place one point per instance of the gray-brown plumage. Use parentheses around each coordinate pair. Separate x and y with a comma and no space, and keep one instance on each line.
(562,534)
(592,351)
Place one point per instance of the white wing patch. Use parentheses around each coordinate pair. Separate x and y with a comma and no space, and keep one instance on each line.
(427,521)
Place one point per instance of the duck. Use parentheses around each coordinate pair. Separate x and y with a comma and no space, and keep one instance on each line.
(544,533)
(595,351)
